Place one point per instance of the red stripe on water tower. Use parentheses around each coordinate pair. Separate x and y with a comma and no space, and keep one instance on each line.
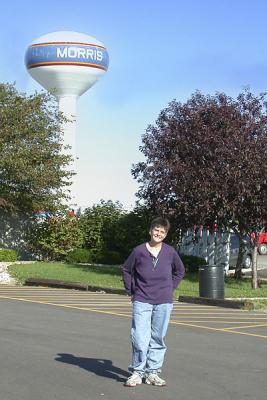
(49,63)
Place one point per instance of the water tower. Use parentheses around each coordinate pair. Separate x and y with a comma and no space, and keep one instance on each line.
(67,64)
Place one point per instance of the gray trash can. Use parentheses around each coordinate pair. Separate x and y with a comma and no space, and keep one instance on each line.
(211,281)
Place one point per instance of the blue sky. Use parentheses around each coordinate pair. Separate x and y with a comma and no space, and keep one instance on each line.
(159,51)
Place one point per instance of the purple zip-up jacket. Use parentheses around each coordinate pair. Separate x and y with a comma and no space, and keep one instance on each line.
(151,280)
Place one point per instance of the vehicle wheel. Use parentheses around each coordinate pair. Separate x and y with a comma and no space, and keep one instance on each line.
(247,262)
(263,248)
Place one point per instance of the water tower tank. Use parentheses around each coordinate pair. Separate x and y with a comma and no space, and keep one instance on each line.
(67,64)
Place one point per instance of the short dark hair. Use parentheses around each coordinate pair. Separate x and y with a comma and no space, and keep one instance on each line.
(159,221)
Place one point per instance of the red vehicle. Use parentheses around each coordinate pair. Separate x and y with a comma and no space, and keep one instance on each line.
(262,242)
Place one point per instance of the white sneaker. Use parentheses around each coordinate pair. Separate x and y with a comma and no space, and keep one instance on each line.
(133,380)
(154,379)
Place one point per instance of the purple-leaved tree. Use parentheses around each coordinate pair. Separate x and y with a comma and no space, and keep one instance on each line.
(205,162)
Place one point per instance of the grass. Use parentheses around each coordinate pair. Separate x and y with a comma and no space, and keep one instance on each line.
(260,304)
(233,288)
(110,276)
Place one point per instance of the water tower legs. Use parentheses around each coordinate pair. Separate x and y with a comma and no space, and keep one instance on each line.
(67,105)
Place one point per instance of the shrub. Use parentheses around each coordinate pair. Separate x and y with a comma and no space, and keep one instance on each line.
(54,237)
(8,255)
(79,256)
(109,257)
(192,263)
(93,256)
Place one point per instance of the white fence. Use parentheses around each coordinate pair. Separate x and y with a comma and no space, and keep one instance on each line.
(213,246)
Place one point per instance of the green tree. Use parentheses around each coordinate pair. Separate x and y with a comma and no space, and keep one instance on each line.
(109,228)
(54,237)
(132,229)
(33,173)
(99,224)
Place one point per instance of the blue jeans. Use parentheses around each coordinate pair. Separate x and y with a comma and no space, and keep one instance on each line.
(149,327)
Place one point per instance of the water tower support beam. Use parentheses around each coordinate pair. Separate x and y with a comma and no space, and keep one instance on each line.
(68,106)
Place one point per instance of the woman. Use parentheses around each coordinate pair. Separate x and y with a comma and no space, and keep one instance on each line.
(150,274)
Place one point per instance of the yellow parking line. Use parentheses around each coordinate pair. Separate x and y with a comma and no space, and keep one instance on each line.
(225,316)
(247,326)
(219,330)
(221,312)
(211,322)
(206,308)
(120,303)
(247,334)
(98,305)
(91,304)
(129,315)
(95,306)
(61,305)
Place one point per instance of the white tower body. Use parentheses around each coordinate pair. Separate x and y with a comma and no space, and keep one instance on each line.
(67,64)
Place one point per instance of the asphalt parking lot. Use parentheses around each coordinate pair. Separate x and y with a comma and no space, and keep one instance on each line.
(65,344)
(195,316)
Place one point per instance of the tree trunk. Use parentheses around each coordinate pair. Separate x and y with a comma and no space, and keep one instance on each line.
(254,271)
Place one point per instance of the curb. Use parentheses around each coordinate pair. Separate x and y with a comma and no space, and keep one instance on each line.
(70,285)
(238,304)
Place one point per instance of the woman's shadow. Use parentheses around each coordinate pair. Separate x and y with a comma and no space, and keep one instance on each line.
(98,366)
